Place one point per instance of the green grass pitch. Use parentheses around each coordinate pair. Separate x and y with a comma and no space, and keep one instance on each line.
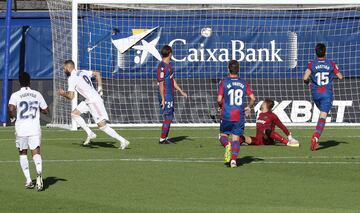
(186,177)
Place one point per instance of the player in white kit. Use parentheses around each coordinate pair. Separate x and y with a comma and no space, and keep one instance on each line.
(80,81)
(83,107)
(27,104)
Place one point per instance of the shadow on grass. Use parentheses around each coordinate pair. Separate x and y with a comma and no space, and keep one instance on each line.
(179,139)
(103,144)
(51,181)
(98,144)
(247,160)
(328,144)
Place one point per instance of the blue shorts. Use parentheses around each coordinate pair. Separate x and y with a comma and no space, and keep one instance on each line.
(168,109)
(232,127)
(324,104)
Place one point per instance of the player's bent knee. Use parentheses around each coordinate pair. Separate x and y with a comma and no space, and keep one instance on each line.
(101,124)
(36,151)
(23,152)
(75,113)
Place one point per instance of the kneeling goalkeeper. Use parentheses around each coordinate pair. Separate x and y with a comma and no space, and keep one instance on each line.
(265,128)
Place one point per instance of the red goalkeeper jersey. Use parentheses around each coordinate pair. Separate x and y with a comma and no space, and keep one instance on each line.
(268,120)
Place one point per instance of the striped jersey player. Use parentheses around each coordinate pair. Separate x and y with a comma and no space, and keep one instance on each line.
(321,73)
(231,100)
(167,87)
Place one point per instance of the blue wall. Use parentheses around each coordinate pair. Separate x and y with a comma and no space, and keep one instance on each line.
(31,45)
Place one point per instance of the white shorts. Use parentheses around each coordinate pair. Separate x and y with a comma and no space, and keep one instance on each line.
(26,142)
(96,109)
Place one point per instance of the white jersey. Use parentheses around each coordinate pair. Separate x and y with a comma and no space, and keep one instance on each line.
(28,103)
(80,81)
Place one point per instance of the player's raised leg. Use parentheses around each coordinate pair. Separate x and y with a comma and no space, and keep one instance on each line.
(76,115)
(103,126)
(98,112)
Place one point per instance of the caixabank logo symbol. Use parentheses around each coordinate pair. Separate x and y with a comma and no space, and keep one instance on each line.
(138,42)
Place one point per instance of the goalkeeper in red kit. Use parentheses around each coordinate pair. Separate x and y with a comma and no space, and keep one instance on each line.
(265,128)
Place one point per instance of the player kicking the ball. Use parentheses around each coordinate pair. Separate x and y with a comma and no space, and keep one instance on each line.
(27,104)
(265,128)
(231,100)
(321,72)
(167,85)
(79,81)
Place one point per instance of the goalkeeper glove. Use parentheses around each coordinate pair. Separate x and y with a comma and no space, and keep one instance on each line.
(100,91)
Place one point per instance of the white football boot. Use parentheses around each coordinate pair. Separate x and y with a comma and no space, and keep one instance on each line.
(39,183)
(124,144)
(293,143)
(90,137)
(29,185)
(233,164)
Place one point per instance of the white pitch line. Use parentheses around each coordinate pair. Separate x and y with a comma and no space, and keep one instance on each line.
(8,129)
(164,160)
(188,138)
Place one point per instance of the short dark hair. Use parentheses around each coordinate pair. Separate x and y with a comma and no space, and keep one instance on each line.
(270,103)
(69,62)
(24,79)
(165,51)
(320,50)
(234,67)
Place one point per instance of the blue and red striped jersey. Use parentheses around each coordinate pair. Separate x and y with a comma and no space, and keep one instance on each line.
(322,76)
(165,73)
(234,92)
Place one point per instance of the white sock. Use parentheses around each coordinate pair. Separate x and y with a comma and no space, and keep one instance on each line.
(79,120)
(38,163)
(24,163)
(112,133)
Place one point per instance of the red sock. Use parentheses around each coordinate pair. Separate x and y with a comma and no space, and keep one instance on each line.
(235,149)
(276,136)
(165,129)
(224,140)
(319,127)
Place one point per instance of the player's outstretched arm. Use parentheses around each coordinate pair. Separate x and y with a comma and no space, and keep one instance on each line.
(250,105)
(178,88)
(68,95)
(279,124)
(98,79)
(306,76)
